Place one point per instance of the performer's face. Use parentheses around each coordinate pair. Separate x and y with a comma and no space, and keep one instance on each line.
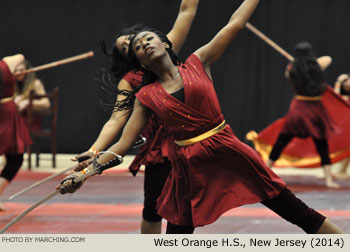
(148,46)
(19,69)
(122,44)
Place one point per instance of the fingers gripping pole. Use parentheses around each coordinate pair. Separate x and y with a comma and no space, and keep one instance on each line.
(58,63)
(41,201)
(269,41)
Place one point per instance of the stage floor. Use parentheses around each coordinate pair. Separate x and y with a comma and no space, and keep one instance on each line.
(112,203)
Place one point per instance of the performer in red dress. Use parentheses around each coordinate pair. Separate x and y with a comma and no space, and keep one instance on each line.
(153,155)
(212,171)
(307,116)
(14,135)
(301,152)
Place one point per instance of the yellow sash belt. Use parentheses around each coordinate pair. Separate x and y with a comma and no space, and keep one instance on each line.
(203,136)
(308,98)
(7,99)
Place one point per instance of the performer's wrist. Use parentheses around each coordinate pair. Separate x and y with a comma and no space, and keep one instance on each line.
(94,151)
(84,173)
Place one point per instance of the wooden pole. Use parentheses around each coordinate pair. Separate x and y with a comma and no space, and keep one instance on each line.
(57,63)
(41,201)
(40,182)
(89,161)
(269,41)
(35,205)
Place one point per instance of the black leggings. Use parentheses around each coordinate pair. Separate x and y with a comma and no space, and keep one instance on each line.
(283,140)
(176,229)
(285,205)
(155,177)
(13,164)
(292,209)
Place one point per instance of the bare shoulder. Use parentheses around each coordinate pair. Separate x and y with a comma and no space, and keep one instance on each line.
(123,84)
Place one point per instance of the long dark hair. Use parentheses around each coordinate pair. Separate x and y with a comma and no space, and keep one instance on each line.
(119,66)
(306,74)
(148,76)
(109,90)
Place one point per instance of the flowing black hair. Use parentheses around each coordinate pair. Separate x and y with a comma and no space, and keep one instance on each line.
(148,76)
(109,91)
(306,74)
(119,66)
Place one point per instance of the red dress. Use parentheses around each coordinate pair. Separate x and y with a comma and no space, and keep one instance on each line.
(155,149)
(336,110)
(14,135)
(211,176)
(308,119)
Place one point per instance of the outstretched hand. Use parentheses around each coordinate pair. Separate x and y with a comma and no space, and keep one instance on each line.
(74,181)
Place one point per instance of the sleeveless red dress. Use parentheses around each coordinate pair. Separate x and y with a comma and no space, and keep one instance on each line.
(301,152)
(211,176)
(14,135)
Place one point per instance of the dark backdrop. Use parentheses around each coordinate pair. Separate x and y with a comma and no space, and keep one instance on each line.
(248,78)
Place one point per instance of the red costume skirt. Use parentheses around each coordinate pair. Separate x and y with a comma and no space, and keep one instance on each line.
(327,119)
(308,119)
(212,176)
(14,135)
(155,149)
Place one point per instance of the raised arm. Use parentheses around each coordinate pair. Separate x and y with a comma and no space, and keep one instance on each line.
(212,51)
(183,22)
(341,78)
(324,61)
(111,128)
